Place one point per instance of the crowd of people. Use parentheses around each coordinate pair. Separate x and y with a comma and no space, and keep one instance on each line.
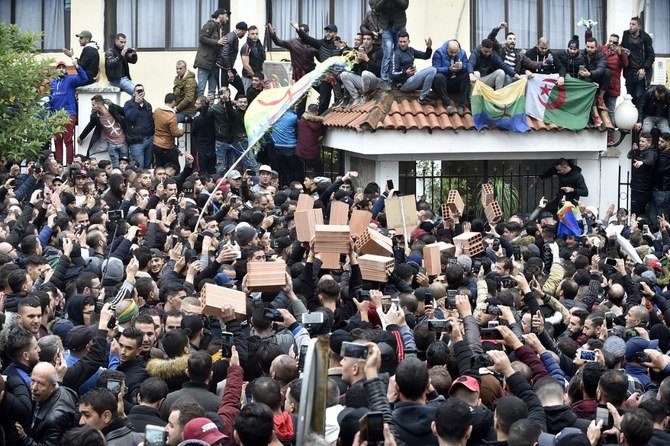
(383,59)
(536,339)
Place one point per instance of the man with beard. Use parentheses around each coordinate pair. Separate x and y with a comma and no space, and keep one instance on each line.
(326,47)
(22,349)
(511,55)
(661,193)
(30,314)
(62,97)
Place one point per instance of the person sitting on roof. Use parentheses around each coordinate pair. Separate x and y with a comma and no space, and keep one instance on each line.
(404,74)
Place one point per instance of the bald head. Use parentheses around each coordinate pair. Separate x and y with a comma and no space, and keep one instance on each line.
(616,293)
(6,248)
(284,369)
(453,45)
(44,381)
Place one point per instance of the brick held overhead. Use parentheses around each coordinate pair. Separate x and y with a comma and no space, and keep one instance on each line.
(395,110)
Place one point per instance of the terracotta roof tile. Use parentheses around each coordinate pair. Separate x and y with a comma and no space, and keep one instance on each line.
(402,111)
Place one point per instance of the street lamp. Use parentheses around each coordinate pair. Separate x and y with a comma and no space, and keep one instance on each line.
(625,116)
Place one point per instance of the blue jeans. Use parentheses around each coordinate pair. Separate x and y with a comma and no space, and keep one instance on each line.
(207,77)
(635,87)
(125,84)
(117,151)
(249,161)
(389,40)
(660,204)
(182,117)
(141,152)
(226,155)
(421,80)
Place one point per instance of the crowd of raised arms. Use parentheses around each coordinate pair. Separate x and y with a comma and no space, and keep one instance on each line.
(527,337)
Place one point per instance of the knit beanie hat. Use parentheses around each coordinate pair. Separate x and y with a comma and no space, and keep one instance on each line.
(574,42)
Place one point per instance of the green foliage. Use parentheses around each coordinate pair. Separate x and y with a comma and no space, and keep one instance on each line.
(505,193)
(25,126)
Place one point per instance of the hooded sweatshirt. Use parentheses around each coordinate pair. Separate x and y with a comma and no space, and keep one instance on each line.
(284,427)
(62,91)
(413,422)
(559,417)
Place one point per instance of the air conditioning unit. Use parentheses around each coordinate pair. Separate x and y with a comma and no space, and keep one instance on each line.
(660,72)
(278,74)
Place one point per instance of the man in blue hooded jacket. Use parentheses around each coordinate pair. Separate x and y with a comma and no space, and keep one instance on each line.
(451,64)
(62,98)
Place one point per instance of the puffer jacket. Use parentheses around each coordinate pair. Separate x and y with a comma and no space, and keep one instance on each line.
(310,132)
(53,418)
(616,63)
(172,371)
(325,48)
(208,45)
(392,13)
(186,90)
(442,62)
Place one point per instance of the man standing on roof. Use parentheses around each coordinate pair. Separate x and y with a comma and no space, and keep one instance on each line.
(62,98)
(326,47)
(210,43)
(226,59)
(392,20)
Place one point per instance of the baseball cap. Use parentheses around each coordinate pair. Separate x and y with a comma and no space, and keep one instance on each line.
(321,181)
(80,173)
(220,11)
(202,429)
(85,34)
(637,345)
(265,168)
(222,279)
(569,436)
(155,252)
(468,382)
(234,174)
(337,337)
(79,336)
(61,64)
(615,347)
(331,27)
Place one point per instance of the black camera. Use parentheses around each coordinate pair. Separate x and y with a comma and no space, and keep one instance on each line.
(506,281)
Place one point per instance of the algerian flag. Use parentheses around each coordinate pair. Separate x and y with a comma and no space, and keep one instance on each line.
(567,106)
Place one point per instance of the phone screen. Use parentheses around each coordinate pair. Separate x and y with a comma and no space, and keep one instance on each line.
(114,386)
(154,435)
(353,350)
(226,344)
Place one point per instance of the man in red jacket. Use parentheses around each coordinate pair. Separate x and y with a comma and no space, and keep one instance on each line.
(310,133)
(617,60)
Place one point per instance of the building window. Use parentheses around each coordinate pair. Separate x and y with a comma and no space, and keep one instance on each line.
(657,17)
(160,24)
(49,17)
(346,14)
(531,19)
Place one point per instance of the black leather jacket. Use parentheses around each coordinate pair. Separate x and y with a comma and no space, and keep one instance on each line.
(52,418)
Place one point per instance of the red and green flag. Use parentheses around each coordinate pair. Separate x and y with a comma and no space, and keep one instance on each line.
(567,106)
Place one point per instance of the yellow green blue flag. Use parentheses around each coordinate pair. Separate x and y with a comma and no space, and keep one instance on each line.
(504,108)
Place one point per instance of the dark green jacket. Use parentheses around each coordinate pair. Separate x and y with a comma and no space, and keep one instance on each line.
(209,47)
(391,13)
